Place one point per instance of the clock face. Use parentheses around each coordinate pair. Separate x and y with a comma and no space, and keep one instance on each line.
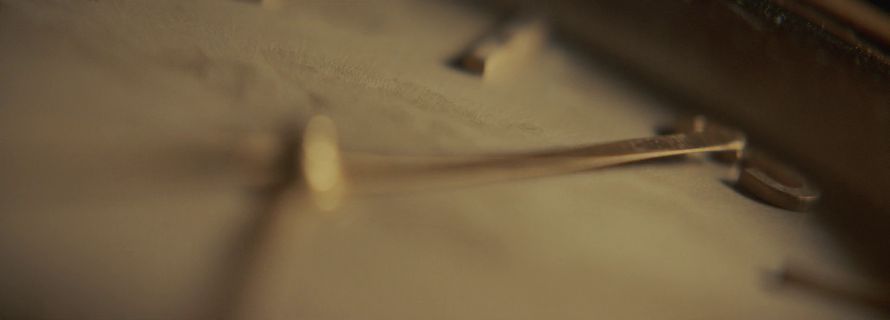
(122,195)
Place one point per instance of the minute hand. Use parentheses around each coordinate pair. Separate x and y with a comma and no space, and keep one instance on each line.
(377,173)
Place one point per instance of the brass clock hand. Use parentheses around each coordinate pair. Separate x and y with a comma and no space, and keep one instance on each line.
(325,172)
(377,173)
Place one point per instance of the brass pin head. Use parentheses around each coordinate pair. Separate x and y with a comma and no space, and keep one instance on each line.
(759,175)
(776,183)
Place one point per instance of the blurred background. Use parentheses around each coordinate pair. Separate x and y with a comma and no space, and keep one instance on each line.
(151,163)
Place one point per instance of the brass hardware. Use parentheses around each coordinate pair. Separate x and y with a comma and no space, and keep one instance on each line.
(326,172)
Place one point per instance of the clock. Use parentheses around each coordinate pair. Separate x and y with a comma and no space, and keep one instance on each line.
(176,160)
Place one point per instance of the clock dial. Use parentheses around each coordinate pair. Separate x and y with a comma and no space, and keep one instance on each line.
(125,193)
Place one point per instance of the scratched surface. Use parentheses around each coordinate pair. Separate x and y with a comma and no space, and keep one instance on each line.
(120,198)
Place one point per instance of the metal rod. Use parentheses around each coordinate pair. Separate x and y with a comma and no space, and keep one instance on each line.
(327,169)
